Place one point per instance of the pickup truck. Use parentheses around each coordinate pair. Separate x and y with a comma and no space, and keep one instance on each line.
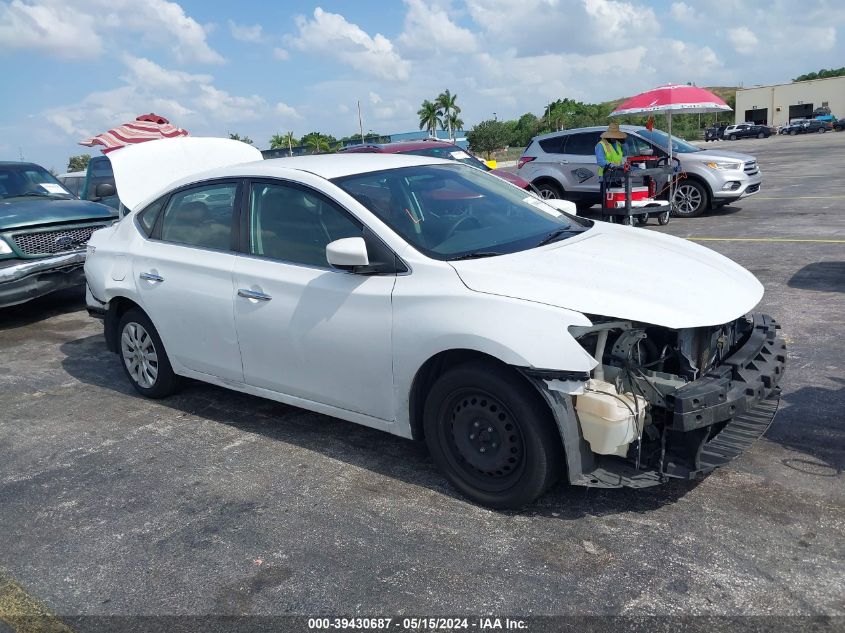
(44,230)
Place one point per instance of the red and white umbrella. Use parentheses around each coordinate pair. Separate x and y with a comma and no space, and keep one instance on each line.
(672,99)
(147,127)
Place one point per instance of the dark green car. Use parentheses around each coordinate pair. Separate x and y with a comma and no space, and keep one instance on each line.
(43,233)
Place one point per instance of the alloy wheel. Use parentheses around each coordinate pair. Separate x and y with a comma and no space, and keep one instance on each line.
(139,354)
(687,199)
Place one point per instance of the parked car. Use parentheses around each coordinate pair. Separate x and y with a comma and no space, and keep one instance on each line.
(563,165)
(839,125)
(73,181)
(746,130)
(437,149)
(806,126)
(43,232)
(714,132)
(431,300)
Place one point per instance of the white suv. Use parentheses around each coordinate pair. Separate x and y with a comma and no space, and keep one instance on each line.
(429,299)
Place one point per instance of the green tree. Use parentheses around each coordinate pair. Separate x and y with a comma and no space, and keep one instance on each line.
(453,123)
(78,163)
(824,73)
(280,141)
(448,106)
(243,139)
(429,114)
(487,137)
(317,142)
(526,128)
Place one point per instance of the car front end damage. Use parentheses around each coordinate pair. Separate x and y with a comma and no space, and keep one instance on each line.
(664,403)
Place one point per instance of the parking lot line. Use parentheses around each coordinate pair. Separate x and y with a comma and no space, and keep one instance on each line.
(24,613)
(763,239)
(803,198)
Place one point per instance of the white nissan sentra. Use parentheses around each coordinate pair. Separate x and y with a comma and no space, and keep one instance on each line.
(431,300)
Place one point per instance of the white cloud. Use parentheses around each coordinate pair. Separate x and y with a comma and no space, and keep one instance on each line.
(743,39)
(281,54)
(84,28)
(375,98)
(246,32)
(683,13)
(287,111)
(331,35)
(428,27)
(50,29)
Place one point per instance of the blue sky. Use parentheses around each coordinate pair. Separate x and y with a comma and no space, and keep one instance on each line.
(77,67)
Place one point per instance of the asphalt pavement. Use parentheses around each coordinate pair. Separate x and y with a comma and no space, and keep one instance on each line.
(212,502)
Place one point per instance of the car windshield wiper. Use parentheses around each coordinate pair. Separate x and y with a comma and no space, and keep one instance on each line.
(32,193)
(474,255)
(554,235)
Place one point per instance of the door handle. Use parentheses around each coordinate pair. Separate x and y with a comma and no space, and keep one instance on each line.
(151,277)
(253,294)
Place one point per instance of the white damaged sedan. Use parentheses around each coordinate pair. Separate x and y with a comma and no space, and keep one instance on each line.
(431,300)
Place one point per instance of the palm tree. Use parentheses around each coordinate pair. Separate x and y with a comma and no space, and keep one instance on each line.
(447,102)
(453,122)
(238,137)
(429,115)
(278,141)
(318,143)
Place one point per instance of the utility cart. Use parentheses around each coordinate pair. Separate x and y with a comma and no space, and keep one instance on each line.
(629,193)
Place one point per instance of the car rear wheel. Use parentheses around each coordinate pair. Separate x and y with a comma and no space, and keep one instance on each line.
(792,132)
(761,135)
(549,190)
(689,199)
(143,357)
(733,137)
(821,130)
(492,435)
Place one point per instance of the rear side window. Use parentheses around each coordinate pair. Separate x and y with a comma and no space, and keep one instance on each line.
(147,218)
(201,217)
(553,145)
(583,144)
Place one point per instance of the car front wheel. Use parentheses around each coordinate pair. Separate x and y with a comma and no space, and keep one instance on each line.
(492,435)
(761,135)
(689,199)
(143,357)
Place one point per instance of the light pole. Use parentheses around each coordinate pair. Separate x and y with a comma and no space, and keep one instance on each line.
(494,116)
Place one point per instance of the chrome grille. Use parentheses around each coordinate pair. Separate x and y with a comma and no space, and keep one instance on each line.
(751,167)
(50,242)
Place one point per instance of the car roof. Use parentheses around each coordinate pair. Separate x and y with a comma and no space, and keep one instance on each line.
(18,164)
(400,146)
(326,166)
(595,128)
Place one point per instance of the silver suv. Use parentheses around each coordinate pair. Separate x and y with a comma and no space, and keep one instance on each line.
(563,165)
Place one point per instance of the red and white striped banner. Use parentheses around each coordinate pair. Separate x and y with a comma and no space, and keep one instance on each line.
(148,127)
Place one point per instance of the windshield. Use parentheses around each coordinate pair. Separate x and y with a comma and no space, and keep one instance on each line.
(30,180)
(658,137)
(450,152)
(456,212)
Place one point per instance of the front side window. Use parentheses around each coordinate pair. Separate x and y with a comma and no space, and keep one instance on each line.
(295,225)
(455,211)
(661,139)
(201,216)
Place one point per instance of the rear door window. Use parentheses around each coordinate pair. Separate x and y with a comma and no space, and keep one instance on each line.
(583,144)
(553,145)
(201,216)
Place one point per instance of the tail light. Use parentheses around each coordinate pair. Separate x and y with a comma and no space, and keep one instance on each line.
(523,160)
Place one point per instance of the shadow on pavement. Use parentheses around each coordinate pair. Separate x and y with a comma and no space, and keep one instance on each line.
(88,360)
(821,276)
(42,308)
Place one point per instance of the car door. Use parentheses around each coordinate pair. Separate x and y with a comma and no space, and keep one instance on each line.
(580,166)
(183,274)
(305,329)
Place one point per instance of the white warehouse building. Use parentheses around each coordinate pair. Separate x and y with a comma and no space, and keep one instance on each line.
(778,103)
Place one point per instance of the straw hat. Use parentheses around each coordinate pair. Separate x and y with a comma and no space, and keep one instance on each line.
(613,132)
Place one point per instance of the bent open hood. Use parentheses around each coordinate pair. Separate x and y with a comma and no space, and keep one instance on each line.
(143,170)
(625,273)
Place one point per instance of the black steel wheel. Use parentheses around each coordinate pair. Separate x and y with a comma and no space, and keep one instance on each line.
(492,435)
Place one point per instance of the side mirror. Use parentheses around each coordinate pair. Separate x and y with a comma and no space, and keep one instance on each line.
(648,151)
(567,206)
(104,190)
(491,163)
(347,253)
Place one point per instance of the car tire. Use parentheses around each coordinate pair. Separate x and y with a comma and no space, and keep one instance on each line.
(690,199)
(761,135)
(143,357)
(733,137)
(792,132)
(821,130)
(549,190)
(492,435)
(663,218)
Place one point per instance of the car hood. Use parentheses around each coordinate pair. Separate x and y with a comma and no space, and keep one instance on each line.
(716,154)
(20,213)
(625,273)
(510,177)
